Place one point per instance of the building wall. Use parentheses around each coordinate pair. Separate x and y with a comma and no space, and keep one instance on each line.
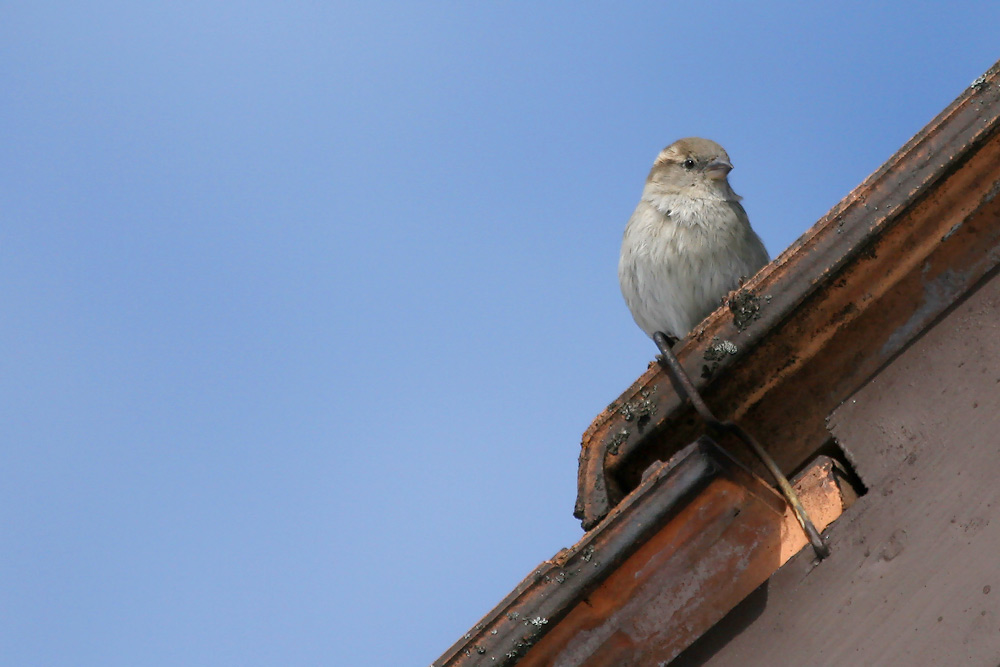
(914,578)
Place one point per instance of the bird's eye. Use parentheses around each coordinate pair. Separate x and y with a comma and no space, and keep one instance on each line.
(689,163)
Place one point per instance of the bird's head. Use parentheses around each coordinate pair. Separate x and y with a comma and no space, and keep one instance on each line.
(692,167)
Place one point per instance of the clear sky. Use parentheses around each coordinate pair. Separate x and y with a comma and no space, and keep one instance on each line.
(304,306)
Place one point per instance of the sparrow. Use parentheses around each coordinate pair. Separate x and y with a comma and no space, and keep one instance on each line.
(688,243)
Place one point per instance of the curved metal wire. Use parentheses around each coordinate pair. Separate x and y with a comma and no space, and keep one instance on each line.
(684,380)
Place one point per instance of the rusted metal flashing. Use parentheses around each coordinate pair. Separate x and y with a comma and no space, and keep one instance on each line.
(539,602)
(698,535)
(851,293)
(688,576)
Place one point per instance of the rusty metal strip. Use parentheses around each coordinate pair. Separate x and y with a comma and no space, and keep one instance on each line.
(537,605)
(689,575)
(867,251)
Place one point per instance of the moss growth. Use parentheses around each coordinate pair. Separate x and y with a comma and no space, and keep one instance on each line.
(745,306)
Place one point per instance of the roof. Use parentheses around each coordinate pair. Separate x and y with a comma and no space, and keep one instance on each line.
(612,591)
(794,343)
(810,327)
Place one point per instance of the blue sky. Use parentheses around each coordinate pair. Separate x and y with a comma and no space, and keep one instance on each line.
(306,305)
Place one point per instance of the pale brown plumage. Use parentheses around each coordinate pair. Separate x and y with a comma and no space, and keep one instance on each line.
(688,242)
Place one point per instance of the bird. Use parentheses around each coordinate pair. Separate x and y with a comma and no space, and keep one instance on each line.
(688,243)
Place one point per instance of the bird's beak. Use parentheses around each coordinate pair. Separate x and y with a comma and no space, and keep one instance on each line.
(718,168)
